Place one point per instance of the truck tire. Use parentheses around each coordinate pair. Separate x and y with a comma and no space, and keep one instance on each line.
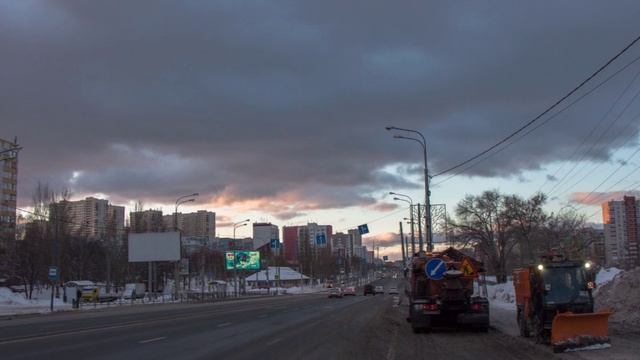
(522,324)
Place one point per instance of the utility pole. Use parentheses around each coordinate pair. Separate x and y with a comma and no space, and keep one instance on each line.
(420,230)
(402,245)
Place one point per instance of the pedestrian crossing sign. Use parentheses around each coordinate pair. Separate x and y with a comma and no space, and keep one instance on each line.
(467,268)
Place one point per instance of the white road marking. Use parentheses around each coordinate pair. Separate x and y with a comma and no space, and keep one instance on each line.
(152,340)
(224,324)
(274,341)
(435,271)
(262,316)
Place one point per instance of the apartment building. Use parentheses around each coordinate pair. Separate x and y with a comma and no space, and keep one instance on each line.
(620,219)
(146,221)
(8,190)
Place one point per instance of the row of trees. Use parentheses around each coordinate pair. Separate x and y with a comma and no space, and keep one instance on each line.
(510,231)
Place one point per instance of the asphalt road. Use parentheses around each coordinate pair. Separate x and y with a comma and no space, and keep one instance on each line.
(287,327)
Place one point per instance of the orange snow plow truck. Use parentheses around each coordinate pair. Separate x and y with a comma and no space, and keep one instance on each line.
(555,304)
(441,292)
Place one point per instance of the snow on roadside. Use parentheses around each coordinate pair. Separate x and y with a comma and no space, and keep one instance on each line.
(15,303)
(605,275)
(502,295)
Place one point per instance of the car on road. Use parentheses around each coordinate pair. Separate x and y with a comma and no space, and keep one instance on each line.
(393,290)
(368,289)
(335,292)
(349,291)
(379,289)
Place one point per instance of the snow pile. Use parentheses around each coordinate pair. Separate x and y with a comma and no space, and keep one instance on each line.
(8,297)
(606,275)
(622,294)
(502,295)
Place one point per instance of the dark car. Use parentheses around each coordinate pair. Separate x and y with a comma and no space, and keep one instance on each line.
(368,289)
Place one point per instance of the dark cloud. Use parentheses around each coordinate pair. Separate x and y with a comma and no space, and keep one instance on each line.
(281,106)
(551,178)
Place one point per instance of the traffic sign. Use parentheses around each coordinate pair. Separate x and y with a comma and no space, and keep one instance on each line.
(385,258)
(275,243)
(363,229)
(435,269)
(321,239)
(467,268)
(54,273)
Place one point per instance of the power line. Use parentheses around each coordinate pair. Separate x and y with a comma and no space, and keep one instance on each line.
(584,140)
(578,99)
(611,174)
(374,220)
(532,121)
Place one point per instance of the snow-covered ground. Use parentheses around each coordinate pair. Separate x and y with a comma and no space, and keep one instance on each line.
(15,303)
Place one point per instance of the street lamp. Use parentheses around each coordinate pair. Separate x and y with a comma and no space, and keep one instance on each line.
(179,201)
(427,212)
(239,224)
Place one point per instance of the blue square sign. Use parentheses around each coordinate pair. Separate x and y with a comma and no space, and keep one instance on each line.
(275,243)
(321,239)
(363,229)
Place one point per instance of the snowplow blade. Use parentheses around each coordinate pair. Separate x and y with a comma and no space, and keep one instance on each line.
(577,331)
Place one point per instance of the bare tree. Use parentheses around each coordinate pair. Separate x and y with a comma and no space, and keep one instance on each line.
(486,222)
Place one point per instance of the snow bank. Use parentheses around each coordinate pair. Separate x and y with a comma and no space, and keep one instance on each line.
(606,275)
(622,294)
(502,295)
(8,297)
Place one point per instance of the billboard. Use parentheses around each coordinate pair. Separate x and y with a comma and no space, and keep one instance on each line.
(157,246)
(242,260)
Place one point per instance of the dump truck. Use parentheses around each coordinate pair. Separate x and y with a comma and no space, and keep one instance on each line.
(441,292)
(555,304)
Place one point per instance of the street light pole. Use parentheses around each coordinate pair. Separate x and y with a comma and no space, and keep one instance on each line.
(413,237)
(427,192)
(179,201)
(235,270)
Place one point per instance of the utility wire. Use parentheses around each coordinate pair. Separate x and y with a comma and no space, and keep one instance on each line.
(549,109)
(578,99)
(593,129)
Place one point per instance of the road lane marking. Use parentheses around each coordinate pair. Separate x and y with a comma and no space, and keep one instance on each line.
(152,340)
(262,316)
(274,341)
(224,324)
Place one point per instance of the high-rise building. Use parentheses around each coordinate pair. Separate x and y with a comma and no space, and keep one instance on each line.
(620,220)
(263,233)
(297,239)
(93,218)
(200,223)
(8,192)
(341,244)
(146,221)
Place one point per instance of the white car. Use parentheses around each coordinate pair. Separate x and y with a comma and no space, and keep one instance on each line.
(378,289)
(392,290)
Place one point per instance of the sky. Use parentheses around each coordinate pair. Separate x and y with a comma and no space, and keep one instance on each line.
(276,110)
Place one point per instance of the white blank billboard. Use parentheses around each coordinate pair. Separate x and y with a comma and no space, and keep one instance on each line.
(157,246)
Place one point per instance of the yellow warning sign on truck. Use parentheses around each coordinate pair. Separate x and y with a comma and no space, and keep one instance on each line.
(467,268)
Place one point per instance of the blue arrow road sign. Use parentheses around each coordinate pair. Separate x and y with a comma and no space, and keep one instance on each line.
(363,229)
(275,243)
(321,239)
(385,258)
(435,269)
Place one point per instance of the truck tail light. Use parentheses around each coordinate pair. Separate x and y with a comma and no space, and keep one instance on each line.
(430,307)
(476,307)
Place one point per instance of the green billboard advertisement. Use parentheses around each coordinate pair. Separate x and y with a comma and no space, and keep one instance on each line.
(242,260)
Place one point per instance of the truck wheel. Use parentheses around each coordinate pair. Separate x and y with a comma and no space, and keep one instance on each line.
(522,324)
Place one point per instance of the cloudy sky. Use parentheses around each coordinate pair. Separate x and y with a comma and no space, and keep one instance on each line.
(275,110)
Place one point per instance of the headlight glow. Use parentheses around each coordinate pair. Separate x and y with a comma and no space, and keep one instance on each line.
(540,267)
